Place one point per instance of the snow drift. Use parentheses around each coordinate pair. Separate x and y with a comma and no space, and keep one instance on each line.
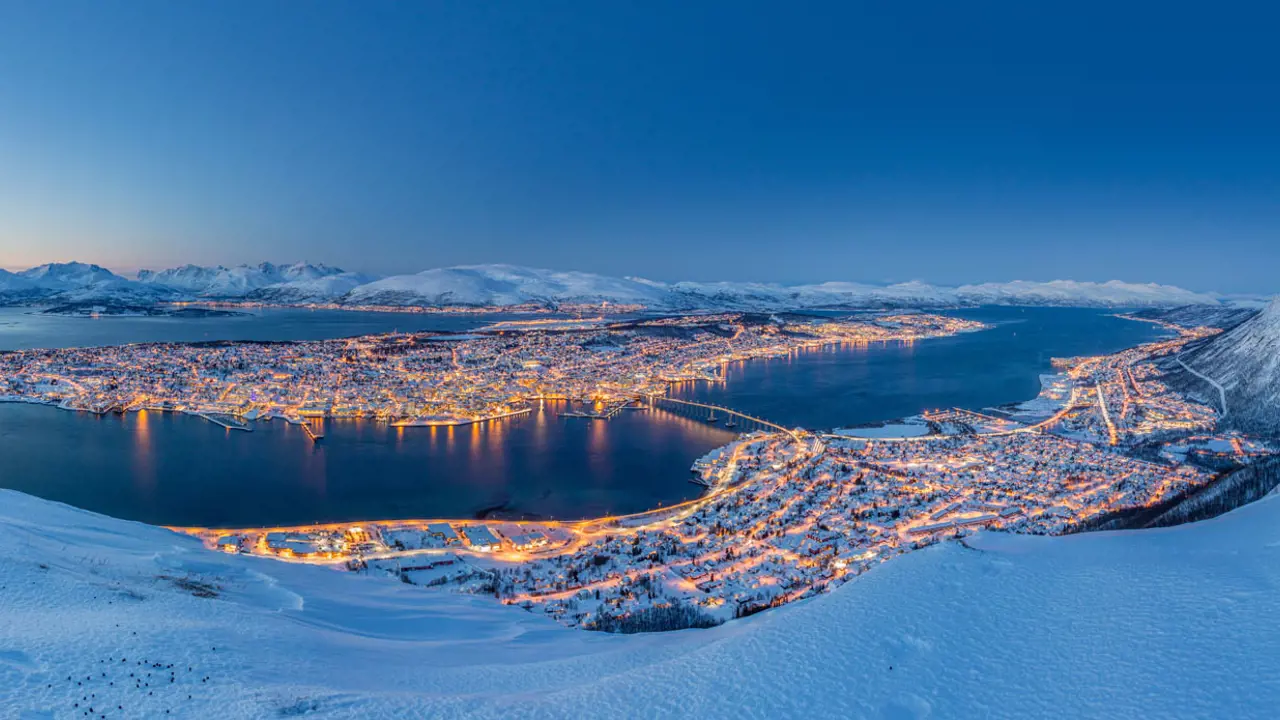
(1165,623)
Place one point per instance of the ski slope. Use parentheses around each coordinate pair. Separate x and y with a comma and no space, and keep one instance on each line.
(1164,623)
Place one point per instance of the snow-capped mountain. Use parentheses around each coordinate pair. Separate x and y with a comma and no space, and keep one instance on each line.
(69,276)
(919,294)
(504,285)
(1223,317)
(14,287)
(319,289)
(75,282)
(1241,369)
(767,296)
(907,294)
(510,285)
(234,282)
(1069,292)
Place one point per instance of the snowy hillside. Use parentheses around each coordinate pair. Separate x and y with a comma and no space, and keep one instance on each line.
(502,285)
(322,289)
(1242,364)
(238,281)
(1070,292)
(918,294)
(1167,623)
(1216,316)
(762,296)
(68,276)
(76,283)
(505,285)
(15,288)
(510,285)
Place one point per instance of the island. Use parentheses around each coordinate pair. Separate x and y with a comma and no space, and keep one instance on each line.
(96,310)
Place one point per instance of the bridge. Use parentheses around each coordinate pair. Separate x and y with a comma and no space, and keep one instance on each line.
(705,411)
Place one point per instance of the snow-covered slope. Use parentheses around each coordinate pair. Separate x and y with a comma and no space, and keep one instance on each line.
(1165,623)
(15,288)
(503,285)
(324,288)
(1245,362)
(1223,317)
(1070,292)
(509,285)
(238,281)
(82,283)
(764,296)
(69,276)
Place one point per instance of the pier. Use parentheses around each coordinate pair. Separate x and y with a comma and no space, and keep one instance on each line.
(230,422)
(314,428)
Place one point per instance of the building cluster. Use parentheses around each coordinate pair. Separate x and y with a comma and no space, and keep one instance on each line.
(790,514)
(1121,400)
(428,378)
(323,543)
(798,515)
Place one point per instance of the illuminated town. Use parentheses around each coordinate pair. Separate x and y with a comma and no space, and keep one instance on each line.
(432,379)
(787,514)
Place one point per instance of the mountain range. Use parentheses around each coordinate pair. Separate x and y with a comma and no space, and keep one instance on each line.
(507,285)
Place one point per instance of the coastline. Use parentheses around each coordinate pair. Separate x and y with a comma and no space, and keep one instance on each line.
(793,465)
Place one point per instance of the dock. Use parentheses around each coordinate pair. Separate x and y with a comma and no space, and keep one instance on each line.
(314,429)
(420,422)
(230,422)
(606,414)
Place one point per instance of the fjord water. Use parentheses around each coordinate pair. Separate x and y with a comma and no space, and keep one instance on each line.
(24,328)
(841,386)
(170,469)
(178,470)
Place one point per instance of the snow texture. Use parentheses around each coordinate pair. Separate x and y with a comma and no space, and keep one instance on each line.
(239,281)
(1171,623)
(1243,367)
(75,283)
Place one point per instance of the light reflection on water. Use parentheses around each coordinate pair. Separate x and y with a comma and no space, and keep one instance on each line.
(179,470)
(834,386)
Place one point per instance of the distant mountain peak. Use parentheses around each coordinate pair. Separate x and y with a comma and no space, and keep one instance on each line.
(238,281)
(505,284)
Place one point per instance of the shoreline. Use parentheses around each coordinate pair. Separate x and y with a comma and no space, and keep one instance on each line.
(711,490)
(828,521)
(709,493)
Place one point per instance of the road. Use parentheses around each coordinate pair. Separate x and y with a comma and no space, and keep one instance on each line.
(1222,392)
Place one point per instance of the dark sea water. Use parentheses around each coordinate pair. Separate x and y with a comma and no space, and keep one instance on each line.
(172,469)
(179,470)
(23,328)
(840,386)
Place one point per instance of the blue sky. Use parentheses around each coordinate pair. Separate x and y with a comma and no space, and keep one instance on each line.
(790,142)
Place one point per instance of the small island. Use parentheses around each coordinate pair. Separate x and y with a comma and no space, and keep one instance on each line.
(95,310)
